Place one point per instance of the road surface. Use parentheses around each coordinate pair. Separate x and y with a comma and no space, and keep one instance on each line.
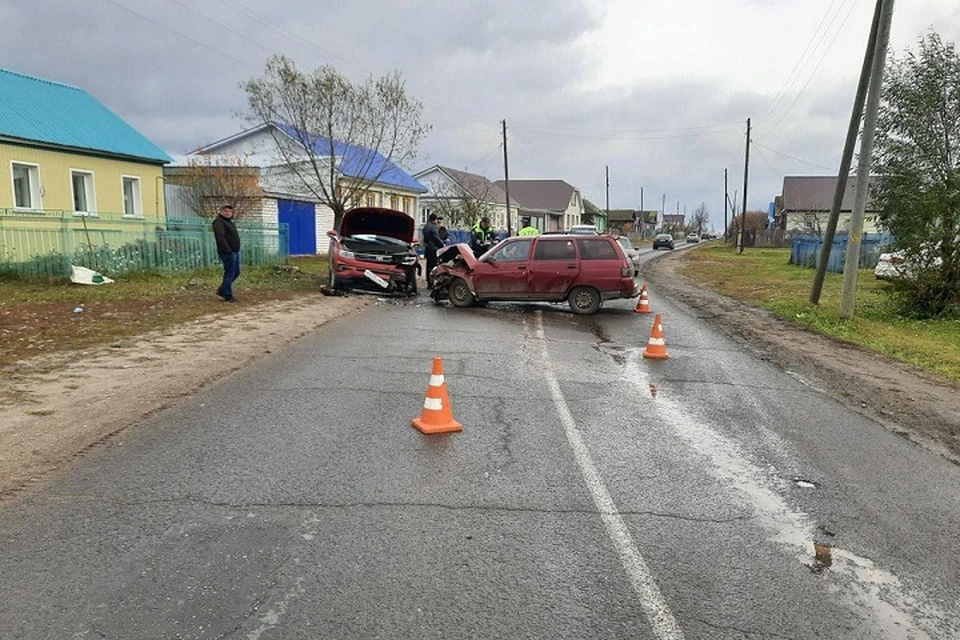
(592,494)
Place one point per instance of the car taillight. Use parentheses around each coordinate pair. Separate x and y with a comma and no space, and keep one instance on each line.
(626,272)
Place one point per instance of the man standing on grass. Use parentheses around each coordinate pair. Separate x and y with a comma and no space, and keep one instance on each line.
(228,248)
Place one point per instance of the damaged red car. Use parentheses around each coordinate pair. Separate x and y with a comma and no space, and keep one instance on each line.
(372,251)
(582,271)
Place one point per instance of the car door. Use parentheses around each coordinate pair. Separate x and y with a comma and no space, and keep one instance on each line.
(502,273)
(601,264)
(554,268)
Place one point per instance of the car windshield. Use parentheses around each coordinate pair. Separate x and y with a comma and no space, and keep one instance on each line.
(625,243)
(368,237)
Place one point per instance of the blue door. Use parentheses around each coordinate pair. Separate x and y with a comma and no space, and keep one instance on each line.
(302,221)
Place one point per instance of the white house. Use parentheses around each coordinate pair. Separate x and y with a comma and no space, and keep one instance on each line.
(451,190)
(286,200)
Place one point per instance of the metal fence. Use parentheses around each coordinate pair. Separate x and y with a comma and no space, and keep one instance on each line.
(47,243)
(805,251)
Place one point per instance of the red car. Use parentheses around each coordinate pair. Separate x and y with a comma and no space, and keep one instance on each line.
(581,270)
(372,252)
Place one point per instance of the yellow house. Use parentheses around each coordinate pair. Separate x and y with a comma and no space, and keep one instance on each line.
(67,163)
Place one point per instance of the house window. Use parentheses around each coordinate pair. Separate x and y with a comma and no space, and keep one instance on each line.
(84,196)
(371,199)
(424,214)
(26,186)
(132,203)
(408,205)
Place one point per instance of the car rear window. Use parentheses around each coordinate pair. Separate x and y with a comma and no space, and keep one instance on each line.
(597,249)
(555,250)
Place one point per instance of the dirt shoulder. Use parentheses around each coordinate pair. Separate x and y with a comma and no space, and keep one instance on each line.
(921,406)
(53,408)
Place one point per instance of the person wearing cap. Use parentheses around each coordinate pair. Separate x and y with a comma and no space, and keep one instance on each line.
(528,229)
(481,236)
(228,249)
(432,242)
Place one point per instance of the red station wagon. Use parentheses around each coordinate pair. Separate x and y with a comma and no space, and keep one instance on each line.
(580,270)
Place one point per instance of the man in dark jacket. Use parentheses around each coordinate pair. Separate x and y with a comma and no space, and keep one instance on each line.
(432,242)
(228,248)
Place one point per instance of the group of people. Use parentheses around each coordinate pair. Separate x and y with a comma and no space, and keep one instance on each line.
(482,237)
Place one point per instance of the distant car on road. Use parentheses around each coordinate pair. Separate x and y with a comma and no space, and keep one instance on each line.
(664,241)
(633,255)
(584,229)
(693,238)
(581,270)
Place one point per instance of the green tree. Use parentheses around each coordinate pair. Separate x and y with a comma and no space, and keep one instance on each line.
(336,121)
(917,161)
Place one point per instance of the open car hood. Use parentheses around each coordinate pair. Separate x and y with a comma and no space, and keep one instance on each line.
(449,253)
(378,222)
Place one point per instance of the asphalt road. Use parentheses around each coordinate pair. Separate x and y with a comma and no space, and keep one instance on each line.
(592,494)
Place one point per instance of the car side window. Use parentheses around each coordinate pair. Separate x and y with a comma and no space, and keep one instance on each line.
(555,250)
(516,251)
(597,249)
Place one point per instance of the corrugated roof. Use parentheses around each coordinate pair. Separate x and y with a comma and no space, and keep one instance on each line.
(546,195)
(815,193)
(479,186)
(38,110)
(357,162)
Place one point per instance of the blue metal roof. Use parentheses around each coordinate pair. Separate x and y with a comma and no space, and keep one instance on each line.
(360,163)
(38,110)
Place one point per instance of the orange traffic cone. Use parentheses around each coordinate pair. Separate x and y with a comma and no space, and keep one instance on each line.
(643,304)
(656,346)
(437,416)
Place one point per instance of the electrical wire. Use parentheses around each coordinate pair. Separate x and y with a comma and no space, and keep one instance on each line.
(787,155)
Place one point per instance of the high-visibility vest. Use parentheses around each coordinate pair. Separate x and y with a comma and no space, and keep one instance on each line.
(529,231)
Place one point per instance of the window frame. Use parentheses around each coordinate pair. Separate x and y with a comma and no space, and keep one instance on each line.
(545,241)
(138,196)
(90,188)
(36,191)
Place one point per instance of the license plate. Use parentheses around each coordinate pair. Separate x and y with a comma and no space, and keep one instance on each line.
(380,281)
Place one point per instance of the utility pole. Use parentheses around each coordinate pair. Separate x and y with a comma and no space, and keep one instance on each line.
(853,130)
(746,176)
(643,219)
(848,296)
(663,210)
(726,198)
(608,191)
(506,178)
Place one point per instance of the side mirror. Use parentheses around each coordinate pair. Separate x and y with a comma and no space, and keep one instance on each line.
(331,233)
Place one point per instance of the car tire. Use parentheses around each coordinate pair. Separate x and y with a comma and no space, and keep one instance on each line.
(584,300)
(459,293)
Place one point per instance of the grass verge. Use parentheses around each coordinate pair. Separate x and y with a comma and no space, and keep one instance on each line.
(39,317)
(764,277)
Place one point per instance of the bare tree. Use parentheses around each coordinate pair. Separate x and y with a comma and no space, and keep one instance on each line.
(207,183)
(337,138)
(699,219)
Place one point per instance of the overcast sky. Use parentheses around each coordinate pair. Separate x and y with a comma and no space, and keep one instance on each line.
(659,91)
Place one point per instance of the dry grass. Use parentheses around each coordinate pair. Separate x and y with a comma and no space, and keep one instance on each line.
(764,277)
(38,317)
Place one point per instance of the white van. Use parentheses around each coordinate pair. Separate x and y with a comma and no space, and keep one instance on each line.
(584,230)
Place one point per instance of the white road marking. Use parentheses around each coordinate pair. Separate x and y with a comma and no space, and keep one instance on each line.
(664,625)
(879,594)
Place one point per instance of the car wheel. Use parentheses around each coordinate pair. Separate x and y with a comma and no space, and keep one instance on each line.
(459,293)
(584,300)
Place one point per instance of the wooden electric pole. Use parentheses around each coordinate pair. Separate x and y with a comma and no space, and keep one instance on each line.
(506,179)
(848,295)
(607,209)
(853,130)
(746,176)
(726,198)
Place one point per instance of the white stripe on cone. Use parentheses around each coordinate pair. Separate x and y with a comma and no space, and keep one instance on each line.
(436,381)
(433,404)
(657,342)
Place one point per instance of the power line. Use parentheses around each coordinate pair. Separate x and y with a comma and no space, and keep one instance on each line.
(790,77)
(787,155)
(778,173)
(817,68)
(180,34)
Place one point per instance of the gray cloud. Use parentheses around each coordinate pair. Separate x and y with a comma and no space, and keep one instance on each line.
(578,92)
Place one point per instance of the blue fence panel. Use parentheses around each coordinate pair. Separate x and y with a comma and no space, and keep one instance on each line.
(805,251)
